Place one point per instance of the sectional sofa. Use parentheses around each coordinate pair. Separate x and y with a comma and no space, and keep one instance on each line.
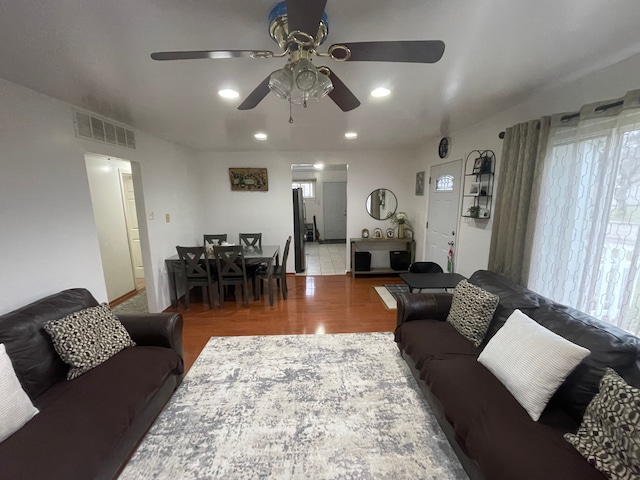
(492,434)
(87,427)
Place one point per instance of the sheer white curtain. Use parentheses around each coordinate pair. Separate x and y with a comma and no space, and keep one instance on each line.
(586,242)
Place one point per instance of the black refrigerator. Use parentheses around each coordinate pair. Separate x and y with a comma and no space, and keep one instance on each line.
(298,229)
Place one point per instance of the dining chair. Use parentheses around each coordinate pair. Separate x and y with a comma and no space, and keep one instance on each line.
(424,267)
(231,271)
(196,273)
(214,239)
(250,239)
(278,272)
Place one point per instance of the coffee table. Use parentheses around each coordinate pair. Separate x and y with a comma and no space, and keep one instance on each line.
(418,281)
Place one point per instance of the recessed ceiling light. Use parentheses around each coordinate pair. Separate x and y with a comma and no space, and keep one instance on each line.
(351,135)
(260,136)
(318,166)
(380,92)
(228,93)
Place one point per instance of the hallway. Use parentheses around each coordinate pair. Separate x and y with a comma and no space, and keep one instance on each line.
(325,259)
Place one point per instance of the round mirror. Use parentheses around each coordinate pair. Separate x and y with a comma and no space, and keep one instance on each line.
(382,204)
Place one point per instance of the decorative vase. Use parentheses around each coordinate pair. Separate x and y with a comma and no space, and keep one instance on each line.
(401,230)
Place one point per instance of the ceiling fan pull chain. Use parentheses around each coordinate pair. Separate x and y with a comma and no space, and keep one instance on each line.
(290,114)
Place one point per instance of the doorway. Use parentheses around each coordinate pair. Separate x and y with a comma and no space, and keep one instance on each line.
(114,209)
(443,213)
(335,211)
(325,213)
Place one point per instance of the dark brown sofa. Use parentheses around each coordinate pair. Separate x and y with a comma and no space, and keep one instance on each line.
(88,427)
(493,436)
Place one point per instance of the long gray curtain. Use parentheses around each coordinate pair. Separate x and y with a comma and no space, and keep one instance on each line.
(523,152)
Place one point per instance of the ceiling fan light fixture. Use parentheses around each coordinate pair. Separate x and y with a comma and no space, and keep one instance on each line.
(228,93)
(305,75)
(350,135)
(281,82)
(380,92)
(323,87)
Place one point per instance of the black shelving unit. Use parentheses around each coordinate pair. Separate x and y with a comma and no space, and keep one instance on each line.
(477,195)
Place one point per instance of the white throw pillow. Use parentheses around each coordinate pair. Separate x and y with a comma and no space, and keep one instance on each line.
(16,408)
(530,360)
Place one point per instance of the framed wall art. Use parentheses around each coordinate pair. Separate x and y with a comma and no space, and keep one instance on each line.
(249,179)
(420,183)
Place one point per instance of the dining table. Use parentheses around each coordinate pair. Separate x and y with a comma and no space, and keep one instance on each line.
(253,255)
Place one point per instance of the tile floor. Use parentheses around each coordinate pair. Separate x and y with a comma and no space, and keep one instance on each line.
(325,258)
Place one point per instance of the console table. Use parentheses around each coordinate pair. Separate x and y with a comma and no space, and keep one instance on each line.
(377,244)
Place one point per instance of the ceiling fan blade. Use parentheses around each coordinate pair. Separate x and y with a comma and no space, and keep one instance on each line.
(341,95)
(195,54)
(305,15)
(256,96)
(412,51)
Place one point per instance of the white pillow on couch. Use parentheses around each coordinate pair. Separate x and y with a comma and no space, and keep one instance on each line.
(530,361)
(16,408)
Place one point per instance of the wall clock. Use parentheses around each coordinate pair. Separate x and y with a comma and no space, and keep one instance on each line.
(443,147)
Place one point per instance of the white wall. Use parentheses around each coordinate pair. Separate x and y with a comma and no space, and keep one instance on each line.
(48,235)
(474,237)
(103,174)
(272,213)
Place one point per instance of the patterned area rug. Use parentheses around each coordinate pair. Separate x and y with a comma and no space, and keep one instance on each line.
(297,407)
(389,293)
(136,304)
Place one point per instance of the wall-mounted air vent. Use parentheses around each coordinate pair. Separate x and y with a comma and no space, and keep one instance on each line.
(94,128)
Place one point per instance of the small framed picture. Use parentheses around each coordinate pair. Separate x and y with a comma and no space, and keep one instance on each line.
(420,183)
(390,232)
(377,233)
(477,165)
(365,233)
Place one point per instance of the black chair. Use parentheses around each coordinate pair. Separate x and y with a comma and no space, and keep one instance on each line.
(278,272)
(196,273)
(250,239)
(424,267)
(231,271)
(214,240)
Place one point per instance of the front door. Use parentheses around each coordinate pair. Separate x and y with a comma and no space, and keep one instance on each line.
(443,213)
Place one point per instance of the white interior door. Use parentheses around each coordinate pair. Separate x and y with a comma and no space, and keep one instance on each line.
(133,232)
(444,211)
(335,210)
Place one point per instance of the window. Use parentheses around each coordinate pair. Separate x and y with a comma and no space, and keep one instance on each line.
(586,242)
(444,183)
(308,187)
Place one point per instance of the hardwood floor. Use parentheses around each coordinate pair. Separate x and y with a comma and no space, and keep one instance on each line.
(315,305)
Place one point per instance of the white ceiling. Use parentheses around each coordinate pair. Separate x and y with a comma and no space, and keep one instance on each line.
(95,54)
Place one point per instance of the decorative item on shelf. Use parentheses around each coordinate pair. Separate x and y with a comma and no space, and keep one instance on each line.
(377,233)
(365,233)
(482,164)
(402,220)
(390,232)
(474,211)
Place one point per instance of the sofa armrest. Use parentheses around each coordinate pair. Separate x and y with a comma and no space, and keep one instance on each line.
(155,329)
(423,306)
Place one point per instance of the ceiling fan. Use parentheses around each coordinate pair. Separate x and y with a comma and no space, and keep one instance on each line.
(299,27)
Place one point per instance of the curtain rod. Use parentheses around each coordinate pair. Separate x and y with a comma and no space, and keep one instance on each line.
(571,116)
